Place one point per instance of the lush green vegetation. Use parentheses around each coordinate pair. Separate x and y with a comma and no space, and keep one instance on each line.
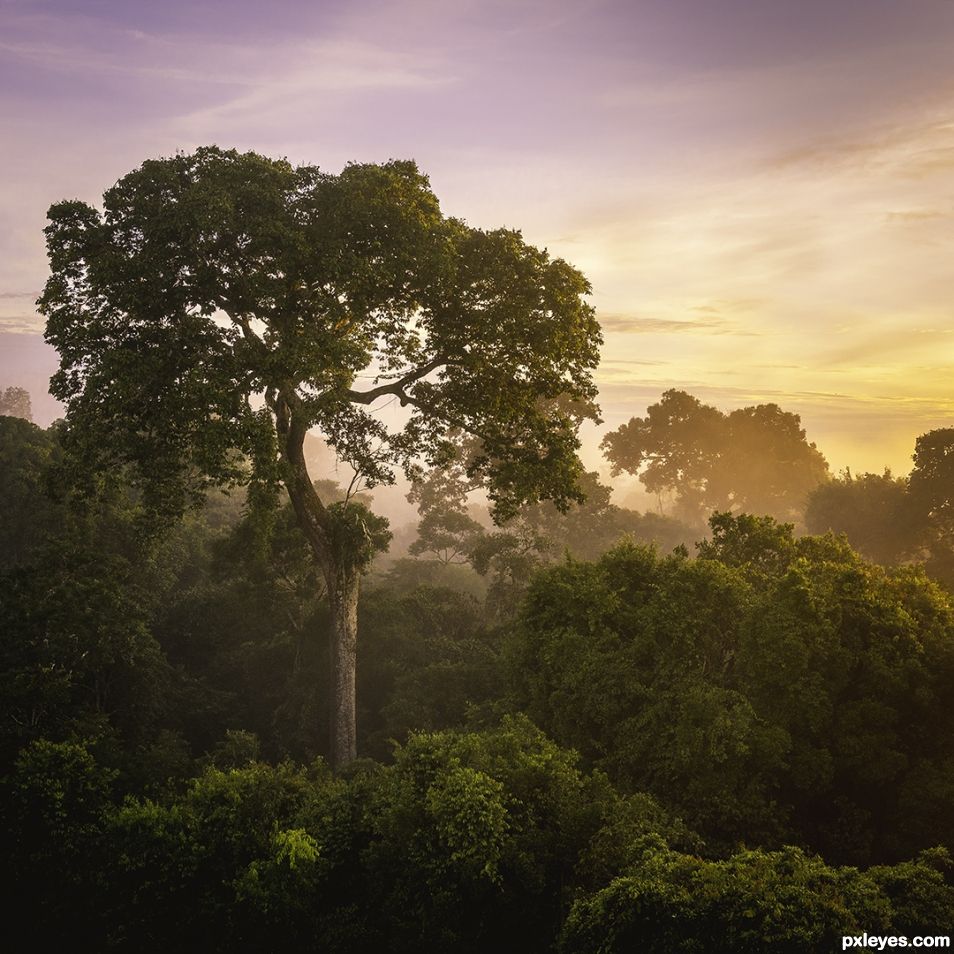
(582,743)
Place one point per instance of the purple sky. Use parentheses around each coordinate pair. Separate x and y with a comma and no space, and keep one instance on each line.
(761,191)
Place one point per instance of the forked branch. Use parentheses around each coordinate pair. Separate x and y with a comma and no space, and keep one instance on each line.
(396,387)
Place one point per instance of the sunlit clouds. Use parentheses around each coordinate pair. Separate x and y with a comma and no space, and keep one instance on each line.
(762,195)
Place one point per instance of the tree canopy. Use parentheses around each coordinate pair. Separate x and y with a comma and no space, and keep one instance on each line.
(754,459)
(15,402)
(224,302)
(775,685)
(777,693)
(894,520)
(875,511)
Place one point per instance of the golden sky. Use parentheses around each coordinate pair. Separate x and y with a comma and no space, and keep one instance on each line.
(760,191)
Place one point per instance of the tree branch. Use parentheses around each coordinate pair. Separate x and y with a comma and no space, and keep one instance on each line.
(396,387)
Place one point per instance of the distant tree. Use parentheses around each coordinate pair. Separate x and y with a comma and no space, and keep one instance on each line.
(754,459)
(224,304)
(876,512)
(932,492)
(447,530)
(932,478)
(894,520)
(767,466)
(541,533)
(15,402)
(673,448)
(29,512)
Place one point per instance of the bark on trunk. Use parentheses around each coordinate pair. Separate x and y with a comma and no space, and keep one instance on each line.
(343,590)
(343,582)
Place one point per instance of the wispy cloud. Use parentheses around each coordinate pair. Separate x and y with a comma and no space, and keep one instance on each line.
(898,344)
(912,148)
(636,325)
(77,59)
(917,216)
(311,71)
(21,324)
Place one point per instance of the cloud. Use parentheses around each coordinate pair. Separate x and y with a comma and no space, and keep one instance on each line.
(732,396)
(221,81)
(21,324)
(324,85)
(916,216)
(912,147)
(635,325)
(892,344)
(713,322)
(79,59)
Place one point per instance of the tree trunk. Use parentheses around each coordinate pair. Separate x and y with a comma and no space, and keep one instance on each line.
(342,578)
(343,587)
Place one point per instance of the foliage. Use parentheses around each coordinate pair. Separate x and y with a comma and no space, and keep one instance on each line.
(781,901)
(875,512)
(477,836)
(932,479)
(232,862)
(754,459)
(896,520)
(320,276)
(467,842)
(53,801)
(932,489)
(775,688)
(429,663)
(30,513)
(15,402)
(630,660)
(508,556)
(75,648)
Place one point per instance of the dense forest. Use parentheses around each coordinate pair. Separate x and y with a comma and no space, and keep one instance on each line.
(241,710)
(581,731)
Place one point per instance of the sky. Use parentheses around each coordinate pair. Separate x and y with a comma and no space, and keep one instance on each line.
(761,192)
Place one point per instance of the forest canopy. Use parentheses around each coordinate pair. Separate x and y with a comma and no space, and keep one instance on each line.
(748,748)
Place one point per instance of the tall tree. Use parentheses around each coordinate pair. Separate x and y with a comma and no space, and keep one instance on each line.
(221,305)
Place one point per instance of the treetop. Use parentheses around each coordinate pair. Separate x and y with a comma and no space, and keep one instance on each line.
(218,296)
